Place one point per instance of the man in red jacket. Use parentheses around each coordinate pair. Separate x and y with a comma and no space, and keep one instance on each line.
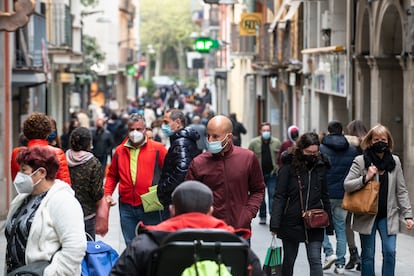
(135,167)
(36,128)
(232,173)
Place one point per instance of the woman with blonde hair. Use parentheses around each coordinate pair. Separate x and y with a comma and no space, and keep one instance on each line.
(379,163)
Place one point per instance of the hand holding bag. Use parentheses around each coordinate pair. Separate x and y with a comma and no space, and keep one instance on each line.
(364,200)
(272,265)
(150,200)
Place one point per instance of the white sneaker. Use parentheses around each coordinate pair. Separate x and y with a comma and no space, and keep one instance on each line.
(339,269)
(329,261)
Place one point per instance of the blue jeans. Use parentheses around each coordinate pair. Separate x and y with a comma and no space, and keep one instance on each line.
(270,181)
(368,250)
(131,215)
(290,252)
(338,217)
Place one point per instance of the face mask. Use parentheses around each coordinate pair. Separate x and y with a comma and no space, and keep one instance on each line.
(24,183)
(266,135)
(166,129)
(216,147)
(136,136)
(52,136)
(310,160)
(380,147)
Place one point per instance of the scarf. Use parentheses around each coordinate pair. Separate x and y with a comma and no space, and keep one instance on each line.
(387,163)
(76,158)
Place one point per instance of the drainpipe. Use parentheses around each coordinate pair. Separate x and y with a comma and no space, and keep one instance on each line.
(350,44)
(7,111)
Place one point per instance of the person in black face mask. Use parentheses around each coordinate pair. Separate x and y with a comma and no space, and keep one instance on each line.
(309,167)
(378,163)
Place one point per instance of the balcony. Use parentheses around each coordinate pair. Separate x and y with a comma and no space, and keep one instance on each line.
(30,41)
(61,25)
(241,45)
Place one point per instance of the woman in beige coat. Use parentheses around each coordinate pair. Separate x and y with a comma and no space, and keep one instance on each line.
(377,161)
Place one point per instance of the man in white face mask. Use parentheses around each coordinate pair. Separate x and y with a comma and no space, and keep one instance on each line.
(232,173)
(136,165)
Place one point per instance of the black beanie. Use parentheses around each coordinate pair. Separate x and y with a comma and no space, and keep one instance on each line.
(192,196)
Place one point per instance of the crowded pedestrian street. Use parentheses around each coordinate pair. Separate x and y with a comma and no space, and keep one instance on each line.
(260,241)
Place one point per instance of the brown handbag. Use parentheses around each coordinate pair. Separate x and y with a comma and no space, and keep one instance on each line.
(364,200)
(312,218)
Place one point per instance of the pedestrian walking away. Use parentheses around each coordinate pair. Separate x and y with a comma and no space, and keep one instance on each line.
(86,174)
(36,128)
(191,208)
(340,154)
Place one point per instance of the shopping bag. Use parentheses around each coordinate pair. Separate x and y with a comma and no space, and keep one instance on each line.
(273,262)
(150,200)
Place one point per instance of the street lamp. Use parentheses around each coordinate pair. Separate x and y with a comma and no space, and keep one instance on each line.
(149,53)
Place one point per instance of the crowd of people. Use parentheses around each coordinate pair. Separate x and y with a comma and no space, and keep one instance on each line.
(204,179)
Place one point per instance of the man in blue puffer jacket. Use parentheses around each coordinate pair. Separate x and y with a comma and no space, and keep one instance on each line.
(341,155)
(183,148)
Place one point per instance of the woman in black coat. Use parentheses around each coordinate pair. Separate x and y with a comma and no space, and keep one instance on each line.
(309,167)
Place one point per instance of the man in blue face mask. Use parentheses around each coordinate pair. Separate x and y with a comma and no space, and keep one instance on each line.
(232,173)
(183,148)
(266,149)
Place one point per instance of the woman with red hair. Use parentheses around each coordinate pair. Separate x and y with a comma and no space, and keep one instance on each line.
(45,221)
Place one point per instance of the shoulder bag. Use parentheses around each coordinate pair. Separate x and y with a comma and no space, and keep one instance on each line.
(312,218)
(364,200)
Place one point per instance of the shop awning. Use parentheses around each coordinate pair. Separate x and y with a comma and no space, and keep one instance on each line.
(337,48)
(28,78)
(278,16)
(292,7)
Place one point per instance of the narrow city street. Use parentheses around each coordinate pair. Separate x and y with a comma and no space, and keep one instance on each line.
(260,241)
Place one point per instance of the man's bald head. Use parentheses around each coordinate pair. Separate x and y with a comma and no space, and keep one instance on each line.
(220,128)
(220,122)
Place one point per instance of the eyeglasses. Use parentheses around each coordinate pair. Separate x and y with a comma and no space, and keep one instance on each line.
(309,152)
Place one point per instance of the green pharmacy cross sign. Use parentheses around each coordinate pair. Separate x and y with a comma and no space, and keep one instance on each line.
(131,70)
(205,44)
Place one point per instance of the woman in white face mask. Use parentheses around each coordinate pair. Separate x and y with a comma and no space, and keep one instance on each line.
(45,221)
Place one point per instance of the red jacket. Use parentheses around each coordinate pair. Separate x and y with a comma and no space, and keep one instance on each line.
(63,171)
(195,221)
(237,183)
(120,172)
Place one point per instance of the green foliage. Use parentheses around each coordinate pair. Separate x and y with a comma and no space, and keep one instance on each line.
(150,85)
(92,53)
(89,3)
(166,24)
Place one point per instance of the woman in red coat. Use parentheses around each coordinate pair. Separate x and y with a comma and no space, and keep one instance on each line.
(36,128)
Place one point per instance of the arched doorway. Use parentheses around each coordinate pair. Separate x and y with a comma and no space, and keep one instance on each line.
(390,75)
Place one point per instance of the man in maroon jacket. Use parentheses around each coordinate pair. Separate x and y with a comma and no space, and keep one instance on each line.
(232,173)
